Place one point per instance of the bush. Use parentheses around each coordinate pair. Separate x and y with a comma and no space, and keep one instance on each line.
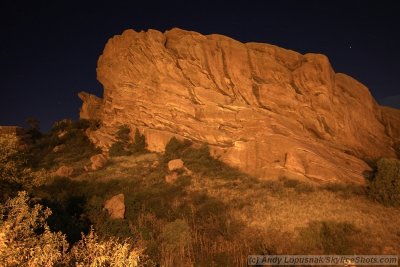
(175,148)
(139,143)
(9,166)
(118,149)
(385,186)
(123,147)
(91,251)
(26,240)
(71,135)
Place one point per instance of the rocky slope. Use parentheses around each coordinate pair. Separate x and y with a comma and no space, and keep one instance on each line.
(264,109)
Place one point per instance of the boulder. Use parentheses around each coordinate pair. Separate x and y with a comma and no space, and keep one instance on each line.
(58,148)
(116,206)
(98,161)
(266,110)
(64,171)
(175,164)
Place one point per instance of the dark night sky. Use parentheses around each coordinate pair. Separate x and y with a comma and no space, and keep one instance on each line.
(49,49)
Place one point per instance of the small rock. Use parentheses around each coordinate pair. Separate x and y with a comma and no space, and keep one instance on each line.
(171,178)
(98,161)
(64,171)
(116,206)
(175,164)
(62,134)
(58,148)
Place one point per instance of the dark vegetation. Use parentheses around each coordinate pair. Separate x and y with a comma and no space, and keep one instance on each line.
(123,146)
(176,224)
(385,186)
(328,237)
(199,160)
(70,139)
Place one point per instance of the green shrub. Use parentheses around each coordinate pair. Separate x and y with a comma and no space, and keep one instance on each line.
(385,186)
(175,148)
(118,149)
(123,133)
(123,146)
(67,125)
(25,238)
(139,143)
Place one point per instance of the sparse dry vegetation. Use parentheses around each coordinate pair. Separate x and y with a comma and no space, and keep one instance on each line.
(212,216)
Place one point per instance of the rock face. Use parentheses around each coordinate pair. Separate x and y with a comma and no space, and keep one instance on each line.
(264,109)
(64,171)
(116,206)
(175,164)
(91,108)
(98,161)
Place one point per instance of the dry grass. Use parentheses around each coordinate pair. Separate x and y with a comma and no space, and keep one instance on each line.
(272,214)
(271,207)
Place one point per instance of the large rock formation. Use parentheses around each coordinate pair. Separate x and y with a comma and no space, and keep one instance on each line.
(264,109)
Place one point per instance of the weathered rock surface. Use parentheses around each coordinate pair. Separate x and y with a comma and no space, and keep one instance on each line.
(98,161)
(116,206)
(91,108)
(175,164)
(64,171)
(264,109)
(58,148)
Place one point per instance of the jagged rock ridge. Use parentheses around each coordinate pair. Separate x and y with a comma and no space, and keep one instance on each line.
(264,109)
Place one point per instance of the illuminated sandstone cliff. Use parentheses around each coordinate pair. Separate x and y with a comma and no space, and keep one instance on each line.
(264,109)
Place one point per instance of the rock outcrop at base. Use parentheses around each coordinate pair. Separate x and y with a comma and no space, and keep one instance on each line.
(267,110)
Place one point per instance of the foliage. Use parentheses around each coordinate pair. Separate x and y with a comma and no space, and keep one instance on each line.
(328,237)
(123,146)
(9,161)
(91,251)
(345,190)
(66,125)
(385,186)
(118,149)
(139,144)
(34,128)
(67,135)
(13,168)
(25,238)
(174,148)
